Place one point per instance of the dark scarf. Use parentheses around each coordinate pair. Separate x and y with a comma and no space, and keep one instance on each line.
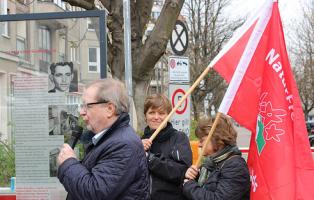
(163,135)
(213,161)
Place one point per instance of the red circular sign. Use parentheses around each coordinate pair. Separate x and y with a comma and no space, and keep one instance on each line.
(178,91)
(172,63)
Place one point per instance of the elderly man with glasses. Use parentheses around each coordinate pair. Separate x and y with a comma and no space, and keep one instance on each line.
(114,166)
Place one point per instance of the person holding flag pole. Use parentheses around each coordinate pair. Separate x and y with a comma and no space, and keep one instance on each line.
(224,173)
(169,155)
(263,97)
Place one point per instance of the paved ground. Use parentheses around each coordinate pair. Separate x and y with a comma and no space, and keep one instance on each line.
(244,137)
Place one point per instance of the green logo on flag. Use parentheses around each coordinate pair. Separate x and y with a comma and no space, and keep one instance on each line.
(259,139)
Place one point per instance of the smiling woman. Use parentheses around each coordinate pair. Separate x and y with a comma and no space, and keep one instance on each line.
(169,155)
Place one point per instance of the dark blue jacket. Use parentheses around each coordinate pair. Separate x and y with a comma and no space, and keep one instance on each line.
(116,168)
(169,157)
(230,180)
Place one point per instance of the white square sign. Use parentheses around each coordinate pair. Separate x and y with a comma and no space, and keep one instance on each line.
(179,69)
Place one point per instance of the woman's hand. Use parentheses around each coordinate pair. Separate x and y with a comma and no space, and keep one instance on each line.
(191,173)
(147,144)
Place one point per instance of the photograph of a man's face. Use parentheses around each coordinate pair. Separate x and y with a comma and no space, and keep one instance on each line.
(53,120)
(62,77)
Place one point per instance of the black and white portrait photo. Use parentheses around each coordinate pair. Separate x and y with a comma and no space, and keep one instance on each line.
(62,119)
(62,78)
(54,124)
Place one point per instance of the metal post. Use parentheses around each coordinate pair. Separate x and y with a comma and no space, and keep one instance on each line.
(157,78)
(127,52)
(162,77)
(103,45)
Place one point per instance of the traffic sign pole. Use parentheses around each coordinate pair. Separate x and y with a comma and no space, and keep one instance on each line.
(196,83)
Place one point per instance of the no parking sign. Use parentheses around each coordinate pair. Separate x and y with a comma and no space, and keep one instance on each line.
(181,119)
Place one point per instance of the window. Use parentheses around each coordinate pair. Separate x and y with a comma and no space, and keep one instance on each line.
(148,32)
(60,3)
(4,26)
(69,7)
(93,59)
(155,14)
(57,2)
(73,54)
(78,54)
(73,100)
(22,1)
(61,47)
(90,25)
(21,47)
(21,35)
(44,43)
(158,2)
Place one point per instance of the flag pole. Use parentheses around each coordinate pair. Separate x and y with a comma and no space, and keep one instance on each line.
(196,83)
(199,159)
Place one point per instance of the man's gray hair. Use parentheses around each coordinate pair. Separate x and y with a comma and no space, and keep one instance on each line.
(113,90)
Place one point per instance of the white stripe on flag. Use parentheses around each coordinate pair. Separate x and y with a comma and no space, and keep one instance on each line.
(246,57)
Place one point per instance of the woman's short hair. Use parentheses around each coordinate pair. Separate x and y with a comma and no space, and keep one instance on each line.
(224,134)
(157,101)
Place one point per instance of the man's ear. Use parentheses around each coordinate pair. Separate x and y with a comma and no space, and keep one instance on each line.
(51,81)
(111,109)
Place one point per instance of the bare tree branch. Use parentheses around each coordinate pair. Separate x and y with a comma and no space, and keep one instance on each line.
(86,4)
(208,31)
(144,54)
(303,58)
(155,45)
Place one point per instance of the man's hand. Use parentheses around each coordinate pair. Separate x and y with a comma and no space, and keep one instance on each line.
(191,173)
(147,144)
(66,152)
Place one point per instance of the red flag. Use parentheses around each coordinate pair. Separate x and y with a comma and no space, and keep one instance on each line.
(263,97)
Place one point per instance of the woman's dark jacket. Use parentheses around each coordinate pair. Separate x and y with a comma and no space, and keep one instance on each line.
(116,168)
(229,180)
(169,158)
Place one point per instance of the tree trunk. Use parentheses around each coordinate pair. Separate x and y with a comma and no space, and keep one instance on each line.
(145,54)
(140,88)
(195,110)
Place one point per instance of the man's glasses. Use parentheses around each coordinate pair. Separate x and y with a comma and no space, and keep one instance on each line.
(85,106)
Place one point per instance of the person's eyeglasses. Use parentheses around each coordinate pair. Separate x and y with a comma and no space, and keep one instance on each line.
(85,106)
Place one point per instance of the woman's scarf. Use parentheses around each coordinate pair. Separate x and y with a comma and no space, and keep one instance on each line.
(211,162)
(163,135)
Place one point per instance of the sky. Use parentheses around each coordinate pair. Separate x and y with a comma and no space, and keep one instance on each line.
(290,10)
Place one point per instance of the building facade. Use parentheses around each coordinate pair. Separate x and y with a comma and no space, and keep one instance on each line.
(30,47)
